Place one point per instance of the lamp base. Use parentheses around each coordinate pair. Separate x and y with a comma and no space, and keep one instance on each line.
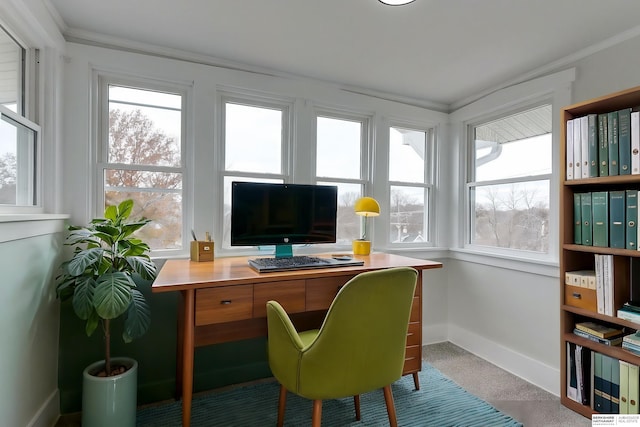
(361,247)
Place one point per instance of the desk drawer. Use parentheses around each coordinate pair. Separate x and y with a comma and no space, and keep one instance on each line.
(224,304)
(322,291)
(412,359)
(415,310)
(289,294)
(414,334)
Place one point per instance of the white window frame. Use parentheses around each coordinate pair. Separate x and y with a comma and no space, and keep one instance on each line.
(27,116)
(366,157)
(429,185)
(286,106)
(101,144)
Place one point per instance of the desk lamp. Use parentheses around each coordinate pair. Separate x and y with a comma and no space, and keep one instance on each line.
(365,207)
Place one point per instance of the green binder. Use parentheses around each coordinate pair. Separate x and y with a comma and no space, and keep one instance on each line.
(577,218)
(592,120)
(587,231)
(612,137)
(631,218)
(617,223)
(624,141)
(603,145)
(600,218)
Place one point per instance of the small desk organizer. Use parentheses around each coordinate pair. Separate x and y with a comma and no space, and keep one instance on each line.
(201,251)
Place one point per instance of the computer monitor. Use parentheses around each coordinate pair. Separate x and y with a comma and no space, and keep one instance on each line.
(282,215)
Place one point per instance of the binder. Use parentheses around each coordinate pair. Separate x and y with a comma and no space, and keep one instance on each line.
(587,233)
(606,383)
(615,386)
(577,149)
(624,140)
(624,387)
(633,389)
(631,219)
(598,399)
(600,218)
(617,223)
(603,145)
(635,142)
(612,136)
(584,150)
(592,124)
(569,145)
(572,375)
(577,218)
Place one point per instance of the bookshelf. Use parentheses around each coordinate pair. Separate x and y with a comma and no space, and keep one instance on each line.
(575,257)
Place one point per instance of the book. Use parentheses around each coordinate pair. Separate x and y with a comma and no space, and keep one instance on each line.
(583,374)
(606,383)
(615,386)
(603,145)
(598,398)
(634,388)
(612,138)
(599,268)
(631,219)
(592,136)
(617,222)
(633,338)
(577,219)
(624,140)
(611,342)
(572,378)
(626,314)
(600,218)
(585,215)
(598,329)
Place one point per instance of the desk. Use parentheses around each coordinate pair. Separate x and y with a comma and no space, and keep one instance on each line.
(225,300)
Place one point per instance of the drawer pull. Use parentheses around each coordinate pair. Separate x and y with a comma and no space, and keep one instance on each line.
(225,302)
(576,295)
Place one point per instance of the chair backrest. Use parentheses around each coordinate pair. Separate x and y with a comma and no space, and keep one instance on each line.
(361,344)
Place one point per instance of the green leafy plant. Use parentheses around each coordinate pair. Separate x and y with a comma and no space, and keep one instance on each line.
(100,278)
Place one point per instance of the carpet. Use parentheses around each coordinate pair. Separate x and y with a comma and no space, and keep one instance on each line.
(440,402)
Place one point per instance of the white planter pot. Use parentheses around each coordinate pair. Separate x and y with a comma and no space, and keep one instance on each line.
(110,401)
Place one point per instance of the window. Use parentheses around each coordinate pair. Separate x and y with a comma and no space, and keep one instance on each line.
(256,135)
(410,185)
(340,160)
(19,136)
(142,158)
(509,179)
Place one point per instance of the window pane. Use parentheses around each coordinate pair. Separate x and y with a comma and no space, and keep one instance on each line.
(145,127)
(164,209)
(512,215)
(11,73)
(253,139)
(338,148)
(515,146)
(17,163)
(348,225)
(407,150)
(407,214)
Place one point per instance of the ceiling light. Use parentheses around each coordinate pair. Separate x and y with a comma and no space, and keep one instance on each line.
(396,2)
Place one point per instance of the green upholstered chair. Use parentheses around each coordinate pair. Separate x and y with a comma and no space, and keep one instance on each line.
(360,346)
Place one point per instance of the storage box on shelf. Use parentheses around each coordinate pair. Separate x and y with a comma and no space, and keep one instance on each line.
(579,302)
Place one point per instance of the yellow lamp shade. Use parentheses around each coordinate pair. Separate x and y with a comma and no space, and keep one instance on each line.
(367,206)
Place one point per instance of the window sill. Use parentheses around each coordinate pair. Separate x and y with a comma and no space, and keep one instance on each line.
(22,226)
(510,262)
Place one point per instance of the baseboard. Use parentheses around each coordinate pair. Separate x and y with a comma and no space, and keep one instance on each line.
(542,375)
(49,412)
(432,334)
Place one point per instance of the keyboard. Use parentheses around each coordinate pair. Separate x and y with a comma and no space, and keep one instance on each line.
(300,262)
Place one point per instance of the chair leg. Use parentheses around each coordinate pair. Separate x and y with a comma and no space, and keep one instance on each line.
(316,419)
(391,408)
(282,403)
(416,381)
(356,403)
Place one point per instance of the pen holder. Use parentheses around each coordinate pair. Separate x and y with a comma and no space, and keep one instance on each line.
(201,251)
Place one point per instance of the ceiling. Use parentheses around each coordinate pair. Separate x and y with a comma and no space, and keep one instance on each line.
(438,52)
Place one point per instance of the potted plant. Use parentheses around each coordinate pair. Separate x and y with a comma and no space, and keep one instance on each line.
(100,280)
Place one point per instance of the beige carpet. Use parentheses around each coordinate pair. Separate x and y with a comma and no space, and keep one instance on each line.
(512,395)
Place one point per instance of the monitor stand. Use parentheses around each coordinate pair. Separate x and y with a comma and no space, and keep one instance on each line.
(284,251)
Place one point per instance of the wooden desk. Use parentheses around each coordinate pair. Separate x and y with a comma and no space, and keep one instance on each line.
(225,300)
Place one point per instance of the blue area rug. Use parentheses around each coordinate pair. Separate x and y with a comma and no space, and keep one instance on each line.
(439,403)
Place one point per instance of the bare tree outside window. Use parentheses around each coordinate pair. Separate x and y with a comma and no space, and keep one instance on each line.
(509,189)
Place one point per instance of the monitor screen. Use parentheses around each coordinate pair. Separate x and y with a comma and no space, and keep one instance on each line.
(282,214)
